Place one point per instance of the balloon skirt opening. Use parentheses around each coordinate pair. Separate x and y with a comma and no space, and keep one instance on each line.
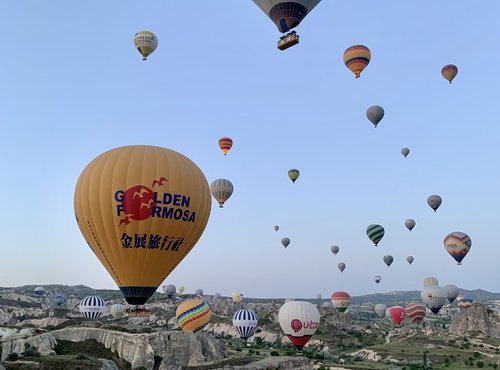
(137,295)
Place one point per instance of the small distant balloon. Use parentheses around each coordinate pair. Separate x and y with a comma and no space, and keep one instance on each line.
(181,289)
(375,233)
(146,42)
(276,228)
(409,259)
(341,266)
(380,309)
(449,72)
(293,174)
(335,249)
(434,297)
(434,201)
(236,297)
(405,151)
(430,281)
(341,301)
(221,190)
(388,259)
(457,244)
(410,224)
(397,314)
(198,292)
(356,58)
(225,143)
(318,296)
(169,290)
(416,312)
(285,242)
(451,292)
(92,307)
(375,114)
(377,278)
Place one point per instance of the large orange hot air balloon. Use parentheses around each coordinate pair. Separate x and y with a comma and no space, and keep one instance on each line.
(225,143)
(356,58)
(141,209)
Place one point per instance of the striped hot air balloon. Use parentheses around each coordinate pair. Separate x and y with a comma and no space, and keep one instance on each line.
(465,303)
(193,314)
(449,72)
(92,307)
(221,190)
(375,233)
(457,244)
(356,58)
(341,301)
(245,322)
(416,312)
(225,143)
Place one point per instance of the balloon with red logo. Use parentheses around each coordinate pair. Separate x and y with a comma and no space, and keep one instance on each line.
(141,210)
(299,321)
(397,314)
(341,301)
(416,312)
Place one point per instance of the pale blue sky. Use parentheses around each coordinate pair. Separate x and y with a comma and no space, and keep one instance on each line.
(73,86)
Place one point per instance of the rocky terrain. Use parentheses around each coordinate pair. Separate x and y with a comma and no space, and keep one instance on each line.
(36,333)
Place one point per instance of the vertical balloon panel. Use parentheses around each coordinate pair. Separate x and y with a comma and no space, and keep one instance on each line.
(141,209)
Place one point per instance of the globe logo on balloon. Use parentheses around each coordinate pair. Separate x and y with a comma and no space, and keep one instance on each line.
(137,203)
(296,325)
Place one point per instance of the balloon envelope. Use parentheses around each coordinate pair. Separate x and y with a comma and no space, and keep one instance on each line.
(286,15)
(388,259)
(405,151)
(39,290)
(141,210)
(193,314)
(434,297)
(434,201)
(341,266)
(145,42)
(236,297)
(221,190)
(397,314)
(377,279)
(416,312)
(341,301)
(449,72)
(169,290)
(299,321)
(225,143)
(276,228)
(285,242)
(181,289)
(409,259)
(380,309)
(117,310)
(245,322)
(375,114)
(451,292)
(375,233)
(356,58)
(335,249)
(465,303)
(457,244)
(198,292)
(429,281)
(293,174)
(58,299)
(92,307)
(410,224)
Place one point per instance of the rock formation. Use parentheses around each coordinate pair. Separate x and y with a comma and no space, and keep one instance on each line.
(476,318)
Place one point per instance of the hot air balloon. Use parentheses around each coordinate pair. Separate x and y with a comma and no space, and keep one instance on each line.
(225,143)
(146,42)
(245,322)
(141,210)
(375,233)
(335,249)
(198,292)
(341,301)
(117,310)
(449,72)
(318,296)
(416,312)
(460,297)
(221,190)
(276,228)
(299,321)
(434,201)
(193,314)
(388,259)
(434,297)
(380,310)
(465,303)
(169,290)
(92,307)
(58,299)
(430,281)
(451,292)
(356,58)
(39,290)
(341,266)
(375,114)
(327,304)
(289,299)
(181,289)
(377,278)
(457,244)
(236,297)
(410,224)
(409,259)
(217,295)
(397,314)
(293,174)
(285,242)
(405,151)
(286,15)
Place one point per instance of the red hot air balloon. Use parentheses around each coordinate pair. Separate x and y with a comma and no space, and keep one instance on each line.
(397,314)
(225,143)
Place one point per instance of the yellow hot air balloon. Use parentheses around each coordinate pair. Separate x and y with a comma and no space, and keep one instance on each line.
(141,210)
(293,174)
(146,42)
(356,58)
(236,297)
(193,314)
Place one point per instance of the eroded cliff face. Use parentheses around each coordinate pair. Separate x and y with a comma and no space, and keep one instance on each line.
(477,318)
(186,349)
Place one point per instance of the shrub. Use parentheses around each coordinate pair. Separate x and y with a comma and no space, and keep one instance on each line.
(480,363)
(275,353)
(30,351)
(12,357)
(238,349)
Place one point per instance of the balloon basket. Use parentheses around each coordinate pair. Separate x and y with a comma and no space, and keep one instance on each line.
(136,312)
(288,41)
